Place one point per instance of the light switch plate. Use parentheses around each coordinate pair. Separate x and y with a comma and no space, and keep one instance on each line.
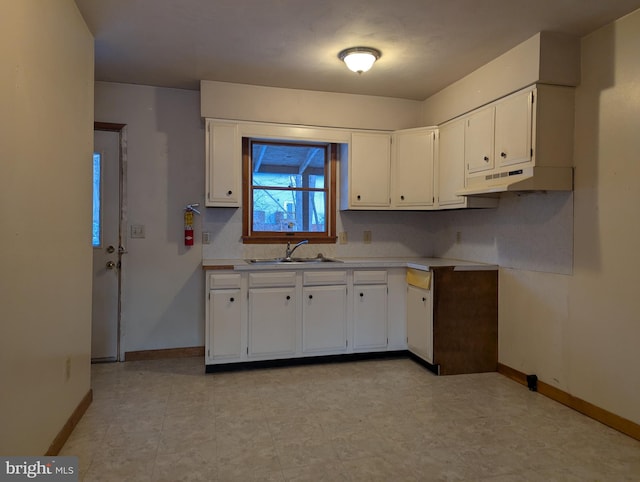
(137,231)
(366,237)
(206,237)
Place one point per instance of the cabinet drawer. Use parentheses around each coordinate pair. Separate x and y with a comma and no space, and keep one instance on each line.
(325,278)
(272,278)
(224,281)
(419,278)
(377,277)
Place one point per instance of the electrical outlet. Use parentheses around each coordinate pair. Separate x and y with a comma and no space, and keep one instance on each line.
(342,237)
(367,237)
(206,237)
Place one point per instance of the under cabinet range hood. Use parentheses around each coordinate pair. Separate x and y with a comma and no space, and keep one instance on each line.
(523,179)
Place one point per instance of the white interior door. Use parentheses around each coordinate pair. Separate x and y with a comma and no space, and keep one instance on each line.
(106,262)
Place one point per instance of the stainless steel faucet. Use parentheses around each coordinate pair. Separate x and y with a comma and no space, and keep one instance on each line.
(290,250)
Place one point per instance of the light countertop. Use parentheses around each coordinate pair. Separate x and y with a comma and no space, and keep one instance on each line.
(349,263)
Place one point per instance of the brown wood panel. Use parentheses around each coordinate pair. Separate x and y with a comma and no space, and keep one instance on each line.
(218,267)
(57,444)
(610,419)
(465,320)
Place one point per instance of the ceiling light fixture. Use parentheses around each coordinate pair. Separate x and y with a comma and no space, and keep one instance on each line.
(359,59)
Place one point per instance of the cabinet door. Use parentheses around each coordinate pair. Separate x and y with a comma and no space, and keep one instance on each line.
(478,140)
(223,164)
(225,324)
(324,319)
(513,130)
(370,317)
(419,323)
(451,165)
(413,168)
(369,170)
(272,321)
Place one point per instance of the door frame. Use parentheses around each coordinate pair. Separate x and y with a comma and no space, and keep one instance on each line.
(121,129)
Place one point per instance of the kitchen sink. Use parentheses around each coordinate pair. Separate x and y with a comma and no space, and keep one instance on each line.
(318,259)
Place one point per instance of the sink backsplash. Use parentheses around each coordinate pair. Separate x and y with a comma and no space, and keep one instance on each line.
(393,234)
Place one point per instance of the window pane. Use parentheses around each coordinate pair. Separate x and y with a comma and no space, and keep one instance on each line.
(288,211)
(96,200)
(283,165)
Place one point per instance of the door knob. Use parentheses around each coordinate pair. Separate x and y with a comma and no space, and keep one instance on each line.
(110,249)
(110,265)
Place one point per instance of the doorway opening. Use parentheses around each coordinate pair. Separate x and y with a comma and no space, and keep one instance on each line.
(109,240)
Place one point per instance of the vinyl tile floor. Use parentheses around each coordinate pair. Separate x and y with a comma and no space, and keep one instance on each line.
(383,420)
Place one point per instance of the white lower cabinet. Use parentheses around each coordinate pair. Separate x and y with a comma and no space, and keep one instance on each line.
(369,310)
(324,312)
(269,315)
(272,322)
(420,322)
(224,318)
(324,319)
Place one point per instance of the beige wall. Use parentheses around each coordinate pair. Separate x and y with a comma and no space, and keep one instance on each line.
(46,134)
(603,330)
(289,106)
(580,332)
(163,283)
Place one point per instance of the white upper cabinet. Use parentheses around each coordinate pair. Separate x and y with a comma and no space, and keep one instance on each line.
(513,130)
(412,168)
(499,135)
(451,170)
(451,164)
(479,141)
(223,164)
(527,139)
(365,176)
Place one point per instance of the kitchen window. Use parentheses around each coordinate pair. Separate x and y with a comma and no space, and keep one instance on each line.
(289,191)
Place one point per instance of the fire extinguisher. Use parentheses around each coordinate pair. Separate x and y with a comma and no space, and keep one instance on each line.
(188,223)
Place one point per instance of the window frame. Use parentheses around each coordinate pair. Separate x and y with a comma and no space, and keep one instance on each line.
(266,237)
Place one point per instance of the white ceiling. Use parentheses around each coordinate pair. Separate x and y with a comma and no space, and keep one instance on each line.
(425,44)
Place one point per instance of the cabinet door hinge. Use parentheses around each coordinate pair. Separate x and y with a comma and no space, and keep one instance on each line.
(347,343)
(209,294)
(209,353)
(533,97)
(247,350)
(532,152)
